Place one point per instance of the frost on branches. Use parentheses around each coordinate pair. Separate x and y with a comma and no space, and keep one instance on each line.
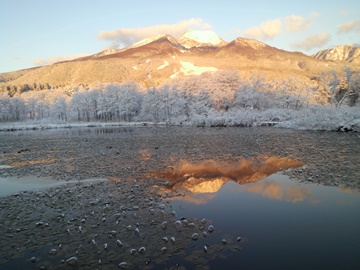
(222,98)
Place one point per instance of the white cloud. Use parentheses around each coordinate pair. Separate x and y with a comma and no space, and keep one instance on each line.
(273,28)
(311,42)
(296,23)
(266,30)
(352,26)
(126,36)
(55,59)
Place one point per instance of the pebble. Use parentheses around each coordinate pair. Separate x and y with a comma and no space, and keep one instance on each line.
(194,236)
(164,225)
(122,265)
(72,261)
(119,243)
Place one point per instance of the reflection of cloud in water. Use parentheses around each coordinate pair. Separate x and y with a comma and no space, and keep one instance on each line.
(195,199)
(210,175)
(274,190)
(348,190)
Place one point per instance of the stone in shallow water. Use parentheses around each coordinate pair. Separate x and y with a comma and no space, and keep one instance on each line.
(195,236)
(122,265)
(72,261)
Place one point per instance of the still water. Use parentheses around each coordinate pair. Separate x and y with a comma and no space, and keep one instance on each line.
(283,224)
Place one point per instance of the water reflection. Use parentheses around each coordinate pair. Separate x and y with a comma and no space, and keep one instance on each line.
(296,220)
(209,176)
(279,191)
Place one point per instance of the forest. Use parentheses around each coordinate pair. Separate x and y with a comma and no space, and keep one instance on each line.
(222,98)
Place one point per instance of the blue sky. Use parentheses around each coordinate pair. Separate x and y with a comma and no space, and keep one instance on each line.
(40,32)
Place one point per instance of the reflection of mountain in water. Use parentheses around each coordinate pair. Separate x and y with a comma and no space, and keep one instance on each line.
(209,176)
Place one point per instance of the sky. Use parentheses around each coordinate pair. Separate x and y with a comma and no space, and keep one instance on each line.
(41,32)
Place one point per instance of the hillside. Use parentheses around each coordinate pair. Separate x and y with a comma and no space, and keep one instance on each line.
(156,60)
(345,53)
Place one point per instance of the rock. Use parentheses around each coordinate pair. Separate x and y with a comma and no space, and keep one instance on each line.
(119,243)
(72,261)
(211,228)
(122,265)
(195,236)
(164,225)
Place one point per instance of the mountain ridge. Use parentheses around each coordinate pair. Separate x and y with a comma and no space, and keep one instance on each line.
(346,53)
(157,60)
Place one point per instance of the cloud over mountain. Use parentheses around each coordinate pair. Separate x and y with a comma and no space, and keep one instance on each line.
(275,27)
(313,41)
(123,37)
(352,26)
(266,30)
(296,23)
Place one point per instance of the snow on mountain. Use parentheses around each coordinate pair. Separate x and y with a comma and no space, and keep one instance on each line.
(253,43)
(340,53)
(166,63)
(188,69)
(152,39)
(194,38)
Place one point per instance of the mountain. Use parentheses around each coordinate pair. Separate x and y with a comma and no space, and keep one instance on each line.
(193,38)
(346,53)
(159,59)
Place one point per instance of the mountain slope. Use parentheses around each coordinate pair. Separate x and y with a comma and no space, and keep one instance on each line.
(157,60)
(345,53)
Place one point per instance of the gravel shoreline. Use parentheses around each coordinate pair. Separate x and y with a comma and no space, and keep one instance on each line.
(103,225)
(77,225)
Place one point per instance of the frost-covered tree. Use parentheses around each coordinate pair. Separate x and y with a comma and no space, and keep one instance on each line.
(59,108)
(152,109)
(249,98)
(173,104)
(336,88)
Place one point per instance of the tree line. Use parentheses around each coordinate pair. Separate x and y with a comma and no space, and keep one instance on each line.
(182,101)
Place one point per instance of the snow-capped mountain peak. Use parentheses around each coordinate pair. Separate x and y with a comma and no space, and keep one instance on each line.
(152,39)
(195,38)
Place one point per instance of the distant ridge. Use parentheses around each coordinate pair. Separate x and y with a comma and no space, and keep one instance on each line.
(346,53)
